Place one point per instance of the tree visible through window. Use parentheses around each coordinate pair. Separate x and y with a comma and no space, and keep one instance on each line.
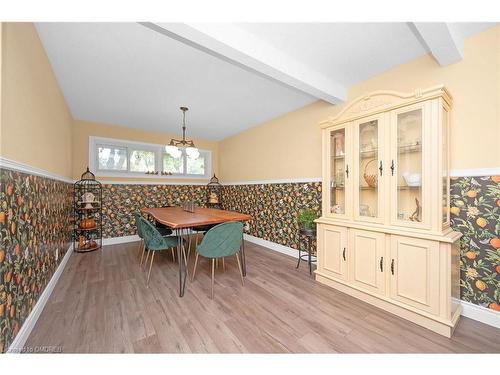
(112,158)
(142,161)
(173,165)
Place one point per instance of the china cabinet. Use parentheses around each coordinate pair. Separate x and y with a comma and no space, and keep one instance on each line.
(384,235)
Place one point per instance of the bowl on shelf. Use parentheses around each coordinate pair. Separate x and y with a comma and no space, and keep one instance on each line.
(412,179)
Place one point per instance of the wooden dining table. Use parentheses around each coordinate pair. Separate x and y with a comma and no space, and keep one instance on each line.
(180,221)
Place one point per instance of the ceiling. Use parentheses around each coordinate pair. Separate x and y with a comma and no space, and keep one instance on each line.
(135,76)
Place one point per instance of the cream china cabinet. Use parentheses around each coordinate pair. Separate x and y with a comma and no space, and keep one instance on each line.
(385,234)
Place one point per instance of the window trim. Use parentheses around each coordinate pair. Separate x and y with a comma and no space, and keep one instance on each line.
(159,150)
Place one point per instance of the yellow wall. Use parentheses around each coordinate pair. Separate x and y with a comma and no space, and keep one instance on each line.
(289,146)
(36,123)
(82,130)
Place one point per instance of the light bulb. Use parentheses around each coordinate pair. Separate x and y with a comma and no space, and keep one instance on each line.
(172,151)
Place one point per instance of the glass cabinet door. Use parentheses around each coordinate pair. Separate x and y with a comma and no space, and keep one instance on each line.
(339,172)
(368,160)
(407,166)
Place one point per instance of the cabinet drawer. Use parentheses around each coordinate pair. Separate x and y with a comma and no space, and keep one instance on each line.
(414,267)
(332,248)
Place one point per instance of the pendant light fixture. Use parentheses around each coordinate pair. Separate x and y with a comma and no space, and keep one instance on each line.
(174,148)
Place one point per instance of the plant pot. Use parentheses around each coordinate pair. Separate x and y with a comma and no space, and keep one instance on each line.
(307,232)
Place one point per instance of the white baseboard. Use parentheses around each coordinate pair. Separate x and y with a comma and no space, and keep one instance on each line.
(18,344)
(481,314)
(272,245)
(118,240)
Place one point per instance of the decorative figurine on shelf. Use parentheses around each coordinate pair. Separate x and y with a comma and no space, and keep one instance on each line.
(214,193)
(337,209)
(213,198)
(88,198)
(415,216)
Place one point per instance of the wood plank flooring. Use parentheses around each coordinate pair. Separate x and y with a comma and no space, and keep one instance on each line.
(101,305)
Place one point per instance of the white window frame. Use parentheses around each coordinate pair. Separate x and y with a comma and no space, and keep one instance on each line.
(159,150)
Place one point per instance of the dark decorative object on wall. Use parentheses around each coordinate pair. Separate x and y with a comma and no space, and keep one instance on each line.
(214,193)
(475,212)
(87,206)
(35,234)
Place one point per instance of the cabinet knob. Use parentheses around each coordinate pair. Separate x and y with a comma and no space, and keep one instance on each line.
(343,254)
(380,168)
(392,266)
(381,264)
(347,171)
(392,167)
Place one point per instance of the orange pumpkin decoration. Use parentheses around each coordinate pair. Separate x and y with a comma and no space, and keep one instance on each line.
(497,268)
(495,178)
(10,190)
(2,217)
(2,255)
(2,309)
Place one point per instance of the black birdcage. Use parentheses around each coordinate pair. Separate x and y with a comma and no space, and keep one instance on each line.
(214,193)
(87,198)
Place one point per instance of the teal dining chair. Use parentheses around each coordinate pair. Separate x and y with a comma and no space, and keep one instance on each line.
(154,242)
(221,241)
(137,217)
(163,231)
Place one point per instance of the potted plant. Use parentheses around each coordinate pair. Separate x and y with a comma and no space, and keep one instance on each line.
(306,219)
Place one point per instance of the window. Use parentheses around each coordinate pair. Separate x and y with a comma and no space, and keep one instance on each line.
(113,157)
(142,161)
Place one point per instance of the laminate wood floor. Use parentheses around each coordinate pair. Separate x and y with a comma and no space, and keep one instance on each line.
(101,305)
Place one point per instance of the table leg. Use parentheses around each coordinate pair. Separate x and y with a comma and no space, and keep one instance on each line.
(243,258)
(182,266)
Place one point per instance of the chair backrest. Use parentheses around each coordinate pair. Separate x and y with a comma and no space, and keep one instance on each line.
(138,224)
(222,240)
(152,238)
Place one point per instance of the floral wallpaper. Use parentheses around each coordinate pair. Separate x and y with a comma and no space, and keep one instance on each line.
(274,208)
(119,201)
(475,211)
(35,213)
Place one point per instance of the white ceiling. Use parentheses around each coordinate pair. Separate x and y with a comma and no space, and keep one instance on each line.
(131,75)
(350,52)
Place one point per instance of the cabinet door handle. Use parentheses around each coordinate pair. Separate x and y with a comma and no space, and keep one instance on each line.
(392,168)
(381,264)
(343,254)
(381,168)
(392,266)
(347,171)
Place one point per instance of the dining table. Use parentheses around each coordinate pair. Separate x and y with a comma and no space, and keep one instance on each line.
(181,221)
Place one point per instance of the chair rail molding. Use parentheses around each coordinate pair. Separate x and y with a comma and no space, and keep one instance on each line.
(21,167)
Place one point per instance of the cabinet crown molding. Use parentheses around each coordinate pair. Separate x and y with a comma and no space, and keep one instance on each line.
(384,100)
